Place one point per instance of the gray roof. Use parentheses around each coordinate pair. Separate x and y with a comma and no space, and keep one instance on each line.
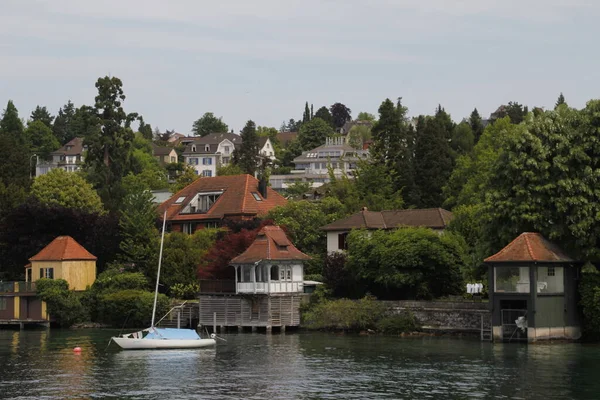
(72,148)
(212,140)
(435,218)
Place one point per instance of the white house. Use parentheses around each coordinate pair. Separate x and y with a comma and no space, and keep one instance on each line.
(69,157)
(337,231)
(206,154)
(313,166)
(266,148)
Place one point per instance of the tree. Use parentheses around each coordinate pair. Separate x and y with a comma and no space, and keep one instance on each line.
(65,189)
(515,111)
(145,129)
(340,114)
(64,305)
(473,172)
(476,125)
(560,101)
(42,140)
(147,168)
(433,158)
(62,127)
(84,123)
(409,263)
(462,138)
(314,133)
(138,229)
(544,181)
(325,115)
(229,169)
(365,116)
(306,116)
(293,150)
(109,149)
(246,157)
(188,176)
(392,146)
(11,124)
(303,220)
(183,253)
(358,135)
(209,124)
(43,115)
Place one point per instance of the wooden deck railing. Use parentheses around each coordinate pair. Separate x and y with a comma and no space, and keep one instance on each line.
(20,287)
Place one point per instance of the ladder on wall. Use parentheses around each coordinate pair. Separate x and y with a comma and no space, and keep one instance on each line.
(486,330)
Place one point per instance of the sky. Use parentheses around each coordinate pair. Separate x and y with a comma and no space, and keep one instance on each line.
(263,59)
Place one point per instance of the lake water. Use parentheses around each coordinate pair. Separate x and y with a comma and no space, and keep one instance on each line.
(41,364)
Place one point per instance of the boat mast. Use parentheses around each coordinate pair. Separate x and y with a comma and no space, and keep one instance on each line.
(162,240)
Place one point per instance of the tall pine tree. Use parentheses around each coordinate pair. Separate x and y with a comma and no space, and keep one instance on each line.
(476,125)
(306,115)
(42,114)
(247,156)
(433,158)
(560,101)
(62,127)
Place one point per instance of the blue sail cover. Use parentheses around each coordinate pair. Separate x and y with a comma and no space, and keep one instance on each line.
(172,333)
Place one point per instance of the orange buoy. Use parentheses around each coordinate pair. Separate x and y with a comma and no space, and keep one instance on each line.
(77,349)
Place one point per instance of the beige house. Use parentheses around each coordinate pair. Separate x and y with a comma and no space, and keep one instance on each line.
(66,259)
(164,155)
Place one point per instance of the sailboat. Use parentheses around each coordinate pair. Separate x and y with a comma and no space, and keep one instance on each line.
(162,338)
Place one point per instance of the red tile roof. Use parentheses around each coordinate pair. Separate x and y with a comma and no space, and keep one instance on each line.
(435,218)
(271,243)
(237,199)
(63,248)
(530,247)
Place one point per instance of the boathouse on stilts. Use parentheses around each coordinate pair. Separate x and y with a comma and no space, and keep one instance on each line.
(267,291)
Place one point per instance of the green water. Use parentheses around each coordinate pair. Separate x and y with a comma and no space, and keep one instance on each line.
(42,365)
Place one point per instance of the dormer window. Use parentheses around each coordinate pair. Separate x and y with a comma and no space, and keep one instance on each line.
(207,147)
(202,202)
(193,148)
(282,248)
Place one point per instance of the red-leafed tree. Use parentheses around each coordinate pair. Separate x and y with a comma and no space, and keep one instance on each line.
(234,243)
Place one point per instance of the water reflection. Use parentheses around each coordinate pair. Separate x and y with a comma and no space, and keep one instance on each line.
(37,364)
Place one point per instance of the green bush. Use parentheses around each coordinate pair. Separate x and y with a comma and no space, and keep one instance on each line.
(399,323)
(589,289)
(131,308)
(115,279)
(185,292)
(344,314)
(313,277)
(64,305)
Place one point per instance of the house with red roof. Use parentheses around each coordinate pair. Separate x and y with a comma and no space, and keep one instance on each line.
(63,258)
(268,287)
(533,291)
(206,202)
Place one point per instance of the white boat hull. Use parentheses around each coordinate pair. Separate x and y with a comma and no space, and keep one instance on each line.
(145,344)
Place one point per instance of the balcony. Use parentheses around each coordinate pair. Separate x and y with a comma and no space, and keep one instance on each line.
(229,286)
(17,287)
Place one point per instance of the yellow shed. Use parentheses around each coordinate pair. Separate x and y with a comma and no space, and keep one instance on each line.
(66,259)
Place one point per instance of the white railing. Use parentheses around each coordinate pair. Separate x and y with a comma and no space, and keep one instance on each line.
(273,287)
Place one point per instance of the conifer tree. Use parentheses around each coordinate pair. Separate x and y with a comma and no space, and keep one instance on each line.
(62,127)
(247,156)
(306,115)
(476,124)
(11,123)
(433,158)
(561,100)
(42,114)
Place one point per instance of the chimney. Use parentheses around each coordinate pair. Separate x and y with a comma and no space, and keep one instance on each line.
(262,187)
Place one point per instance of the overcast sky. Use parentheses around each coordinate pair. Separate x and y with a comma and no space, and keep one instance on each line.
(263,59)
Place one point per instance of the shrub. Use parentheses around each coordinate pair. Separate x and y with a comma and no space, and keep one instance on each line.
(589,289)
(399,323)
(344,314)
(116,279)
(131,308)
(185,292)
(64,305)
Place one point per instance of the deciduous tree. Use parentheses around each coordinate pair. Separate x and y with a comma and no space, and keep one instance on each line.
(66,189)
(42,140)
(208,124)
(325,115)
(340,114)
(314,133)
